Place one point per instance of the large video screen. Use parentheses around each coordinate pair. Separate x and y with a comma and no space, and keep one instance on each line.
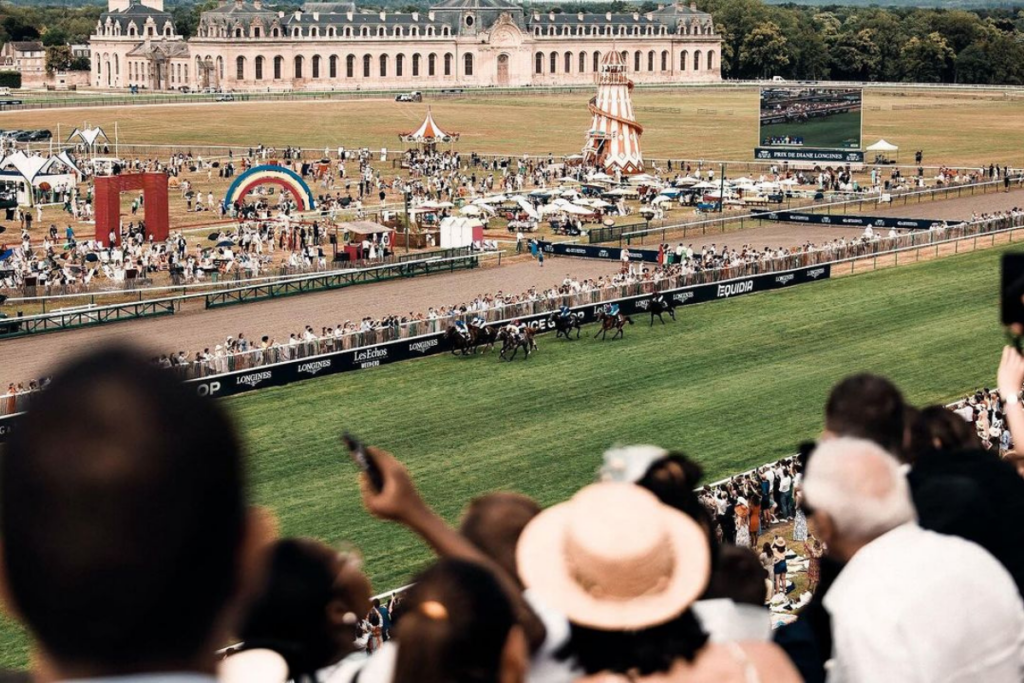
(815,118)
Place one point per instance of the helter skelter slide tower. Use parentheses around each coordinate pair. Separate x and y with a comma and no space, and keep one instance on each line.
(613,141)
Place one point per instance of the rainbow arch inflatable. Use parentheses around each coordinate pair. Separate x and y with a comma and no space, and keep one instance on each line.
(272,175)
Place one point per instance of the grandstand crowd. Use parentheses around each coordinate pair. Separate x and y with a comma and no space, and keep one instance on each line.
(131,552)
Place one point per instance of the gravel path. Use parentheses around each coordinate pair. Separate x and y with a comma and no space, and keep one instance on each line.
(192,329)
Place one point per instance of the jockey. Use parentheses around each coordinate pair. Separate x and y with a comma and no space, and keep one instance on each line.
(477,323)
(460,327)
(563,312)
(611,309)
(514,328)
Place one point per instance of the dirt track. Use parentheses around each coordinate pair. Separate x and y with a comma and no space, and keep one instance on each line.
(21,359)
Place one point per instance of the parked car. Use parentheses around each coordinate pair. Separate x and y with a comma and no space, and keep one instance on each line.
(414,96)
(226,97)
(5,92)
(40,136)
(184,90)
(23,136)
(210,90)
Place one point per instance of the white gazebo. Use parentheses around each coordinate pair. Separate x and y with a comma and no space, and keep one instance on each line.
(883,149)
(88,136)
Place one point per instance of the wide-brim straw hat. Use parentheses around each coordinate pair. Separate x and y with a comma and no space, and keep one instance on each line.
(615,558)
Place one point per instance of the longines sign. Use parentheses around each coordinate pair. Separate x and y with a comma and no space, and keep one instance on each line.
(288,372)
(832,156)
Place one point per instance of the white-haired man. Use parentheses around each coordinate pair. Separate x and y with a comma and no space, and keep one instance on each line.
(910,605)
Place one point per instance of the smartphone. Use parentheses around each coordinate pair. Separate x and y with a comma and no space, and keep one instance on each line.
(1012,289)
(364,461)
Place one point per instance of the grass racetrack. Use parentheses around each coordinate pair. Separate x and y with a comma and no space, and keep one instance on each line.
(840,131)
(733,383)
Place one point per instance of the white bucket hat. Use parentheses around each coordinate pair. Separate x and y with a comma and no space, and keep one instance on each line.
(614,558)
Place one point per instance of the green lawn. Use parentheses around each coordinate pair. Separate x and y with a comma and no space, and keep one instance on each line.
(840,131)
(733,384)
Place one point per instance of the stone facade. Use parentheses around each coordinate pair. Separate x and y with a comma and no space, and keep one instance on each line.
(243,46)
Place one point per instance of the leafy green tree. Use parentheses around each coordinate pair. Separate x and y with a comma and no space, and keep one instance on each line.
(55,36)
(928,59)
(856,56)
(764,51)
(58,58)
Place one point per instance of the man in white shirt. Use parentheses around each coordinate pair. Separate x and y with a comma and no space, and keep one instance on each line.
(910,605)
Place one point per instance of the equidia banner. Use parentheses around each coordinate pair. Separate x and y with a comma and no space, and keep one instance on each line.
(280,374)
(842,221)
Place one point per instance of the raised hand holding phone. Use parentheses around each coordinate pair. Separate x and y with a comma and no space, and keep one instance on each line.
(364,461)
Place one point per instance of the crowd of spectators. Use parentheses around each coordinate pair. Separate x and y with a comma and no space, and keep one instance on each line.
(636,576)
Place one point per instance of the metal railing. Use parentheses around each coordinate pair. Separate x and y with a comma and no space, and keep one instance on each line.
(84,316)
(871,200)
(338,280)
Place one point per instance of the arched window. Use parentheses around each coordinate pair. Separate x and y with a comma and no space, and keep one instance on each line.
(416,65)
(467,67)
(316,66)
(636,30)
(238,32)
(296,32)
(240,69)
(568,62)
(278,67)
(383,66)
(275,33)
(664,60)
(432,65)
(650,60)
(553,62)
(448,63)
(366,66)
(399,65)
(539,67)
(398,31)
(683,60)
(414,31)
(220,67)
(314,31)
(583,62)
(445,31)
(381,31)
(636,61)
(257,32)
(259,68)
(332,65)
(298,66)
(597,61)
(696,60)
(332,32)
(350,66)
(711,60)
(364,31)
(430,31)
(348,31)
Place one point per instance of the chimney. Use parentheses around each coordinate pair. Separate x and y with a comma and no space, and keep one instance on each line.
(430,15)
(415,16)
(661,7)
(693,6)
(551,16)
(536,16)
(580,16)
(316,16)
(280,15)
(257,4)
(383,15)
(608,16)
(239,4)
(349,14)
(636,16)
(298,15)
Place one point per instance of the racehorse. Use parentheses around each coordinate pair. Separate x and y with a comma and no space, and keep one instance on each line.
(457,342)
(565,326)
(484,336)
(608,322)
(523,341)
(661,305)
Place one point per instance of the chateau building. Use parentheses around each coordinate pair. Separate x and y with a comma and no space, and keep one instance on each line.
(245,46)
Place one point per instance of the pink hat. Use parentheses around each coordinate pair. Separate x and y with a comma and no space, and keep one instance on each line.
(614,558)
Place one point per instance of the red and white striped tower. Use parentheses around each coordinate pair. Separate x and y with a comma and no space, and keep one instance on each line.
(613,141)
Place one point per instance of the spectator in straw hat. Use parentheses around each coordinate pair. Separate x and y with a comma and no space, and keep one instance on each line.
(625,569)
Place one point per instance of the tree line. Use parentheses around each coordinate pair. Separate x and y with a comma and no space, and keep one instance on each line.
(869,44)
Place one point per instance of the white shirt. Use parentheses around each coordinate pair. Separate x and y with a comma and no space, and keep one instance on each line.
(727,621)
(784,483)
(915,606)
